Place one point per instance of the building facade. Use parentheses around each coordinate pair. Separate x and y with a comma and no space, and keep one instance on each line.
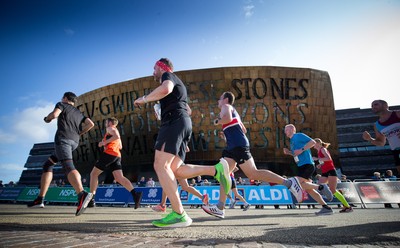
(267,98)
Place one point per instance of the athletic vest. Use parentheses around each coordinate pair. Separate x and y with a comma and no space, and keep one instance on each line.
(235,137)
(390,129)
(327,165)
(113,147)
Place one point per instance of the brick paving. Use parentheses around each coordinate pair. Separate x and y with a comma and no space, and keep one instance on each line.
(56,226)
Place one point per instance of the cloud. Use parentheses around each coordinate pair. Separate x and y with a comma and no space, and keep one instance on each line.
(248,10)
(69,32)
(7,137)
(18,132)
(30,125)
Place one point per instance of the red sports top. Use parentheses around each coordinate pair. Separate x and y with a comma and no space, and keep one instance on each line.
(327,165)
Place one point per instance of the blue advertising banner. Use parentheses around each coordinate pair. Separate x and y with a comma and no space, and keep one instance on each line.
(10,193)
(256,195)
(117,195)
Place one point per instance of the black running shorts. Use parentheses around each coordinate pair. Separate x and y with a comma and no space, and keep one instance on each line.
(331,173)
(306,171)
(239,154)
(174,135)
(107,161)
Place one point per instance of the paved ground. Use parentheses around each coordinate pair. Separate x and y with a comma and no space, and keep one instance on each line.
(57,226)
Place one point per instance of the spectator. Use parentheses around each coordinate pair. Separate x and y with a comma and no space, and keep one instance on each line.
(84,182)
(206,182)
(1,184)
(142,182)
(199,181)
(193,182)
(150,183)
(343,178)
(390,176)
(11,184)
(376,176)
(240,181)
(53,183)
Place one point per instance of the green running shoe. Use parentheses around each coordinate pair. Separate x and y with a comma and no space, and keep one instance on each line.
(173,220)
(222,175)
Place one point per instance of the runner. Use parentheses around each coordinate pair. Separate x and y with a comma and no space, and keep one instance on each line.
(111,159)
(238,152)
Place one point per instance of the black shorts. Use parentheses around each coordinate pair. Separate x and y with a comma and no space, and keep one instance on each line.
(174,135)
(396,156)
(239,154)
(306,171)
(331,173)
(108,162)
(233,183)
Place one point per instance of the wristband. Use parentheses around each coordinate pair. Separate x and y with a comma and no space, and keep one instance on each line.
(144,99)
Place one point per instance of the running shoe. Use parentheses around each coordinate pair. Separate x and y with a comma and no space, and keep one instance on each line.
(346,210)
(205,199)
(91,203)
(37,203)
(232,205)
(137,198)
(83,201)
(327,192)
(296,189)
(159,208)
(222,175)
(324,211)
(173,220)
(214,211)
(246,207)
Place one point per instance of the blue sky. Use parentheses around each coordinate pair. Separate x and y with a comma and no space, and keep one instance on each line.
(49,47)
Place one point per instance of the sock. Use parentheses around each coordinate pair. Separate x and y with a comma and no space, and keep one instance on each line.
(320,187)
(287,183)
(40,198)
(341,198)
(133,193)
(326,206)
(221,205)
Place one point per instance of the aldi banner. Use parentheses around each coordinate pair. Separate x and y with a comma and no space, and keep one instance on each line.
(379,191)
(255,195)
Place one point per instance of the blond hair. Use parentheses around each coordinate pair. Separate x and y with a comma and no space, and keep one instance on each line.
(323,144)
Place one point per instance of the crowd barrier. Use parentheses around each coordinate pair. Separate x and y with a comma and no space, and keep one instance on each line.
(374,192)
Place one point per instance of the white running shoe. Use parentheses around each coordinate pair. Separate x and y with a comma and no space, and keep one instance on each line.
(232,205)
(214,211)
(324,211)
(246,207)
(296,189)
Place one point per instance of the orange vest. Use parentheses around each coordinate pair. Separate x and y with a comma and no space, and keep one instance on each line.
(112,148)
